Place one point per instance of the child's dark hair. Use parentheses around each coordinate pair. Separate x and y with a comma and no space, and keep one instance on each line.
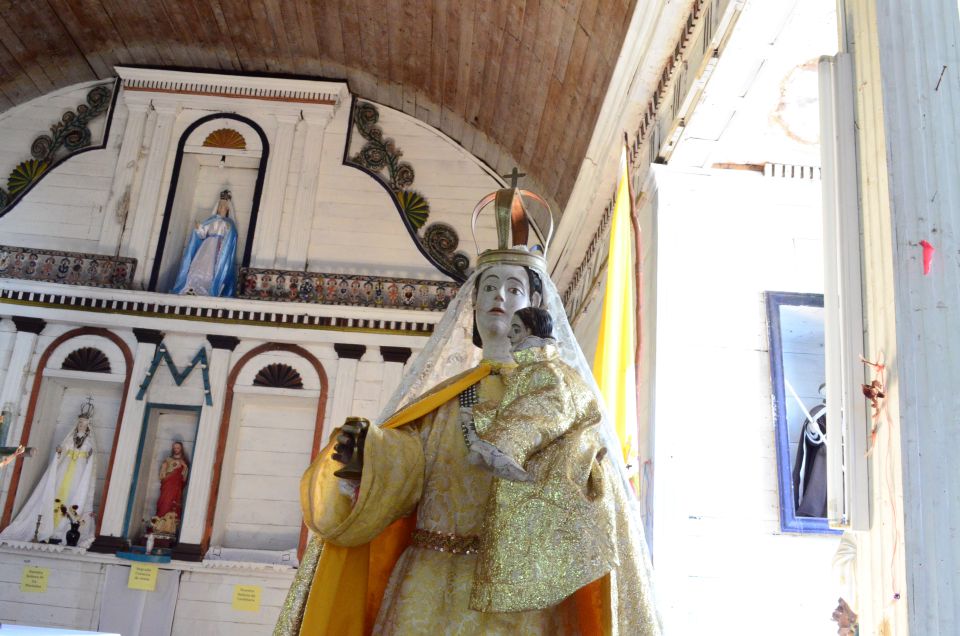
(537,320)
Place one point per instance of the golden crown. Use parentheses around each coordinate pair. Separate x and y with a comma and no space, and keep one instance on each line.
(514,225)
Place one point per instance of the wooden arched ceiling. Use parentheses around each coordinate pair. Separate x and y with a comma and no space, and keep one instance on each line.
(515,81)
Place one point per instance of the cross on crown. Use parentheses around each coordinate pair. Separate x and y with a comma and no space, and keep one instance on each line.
(514,176)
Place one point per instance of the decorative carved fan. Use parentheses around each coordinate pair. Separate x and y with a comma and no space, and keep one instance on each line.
(225,138)
(88,359)
(278,376)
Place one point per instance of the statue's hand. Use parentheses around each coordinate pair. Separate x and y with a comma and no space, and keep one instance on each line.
(491,458)
(349,447)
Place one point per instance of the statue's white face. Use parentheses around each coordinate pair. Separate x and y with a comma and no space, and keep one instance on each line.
(83,424)
(501,290)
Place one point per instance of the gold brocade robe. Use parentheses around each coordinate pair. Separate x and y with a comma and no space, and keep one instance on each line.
(546,538)
(421,465)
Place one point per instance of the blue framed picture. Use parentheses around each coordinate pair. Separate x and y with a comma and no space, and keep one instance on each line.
(797,371)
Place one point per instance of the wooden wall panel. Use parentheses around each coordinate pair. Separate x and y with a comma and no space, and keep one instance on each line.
(515,81)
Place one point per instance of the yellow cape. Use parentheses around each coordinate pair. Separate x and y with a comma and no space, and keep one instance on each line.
(345,575)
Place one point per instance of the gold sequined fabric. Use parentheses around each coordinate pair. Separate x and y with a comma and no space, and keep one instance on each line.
(291,614)
(423,465)
(544,539)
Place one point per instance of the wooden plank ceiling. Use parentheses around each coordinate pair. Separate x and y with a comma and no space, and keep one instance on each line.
(515,81)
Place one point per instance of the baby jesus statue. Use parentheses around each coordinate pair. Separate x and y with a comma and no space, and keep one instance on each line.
(543,443)
(531,332)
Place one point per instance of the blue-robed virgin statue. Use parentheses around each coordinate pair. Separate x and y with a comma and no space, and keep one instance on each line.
(208,267)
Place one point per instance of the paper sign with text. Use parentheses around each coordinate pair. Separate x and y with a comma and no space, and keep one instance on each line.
(246,598)
(34,579)
(143,576)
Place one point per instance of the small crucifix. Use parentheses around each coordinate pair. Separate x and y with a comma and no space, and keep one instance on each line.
(514,176)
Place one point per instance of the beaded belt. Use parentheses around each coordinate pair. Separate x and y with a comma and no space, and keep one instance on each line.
(443,542)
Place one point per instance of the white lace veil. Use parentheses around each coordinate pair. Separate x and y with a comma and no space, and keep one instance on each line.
(450,350)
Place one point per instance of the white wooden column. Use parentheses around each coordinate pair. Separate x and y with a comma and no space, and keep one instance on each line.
(302,219)
(394,359)
(205,451)
(14,386)
(907,90)
(140,227)
(15,380)
(349,357)
(128,441)
(274,193)
(120,201)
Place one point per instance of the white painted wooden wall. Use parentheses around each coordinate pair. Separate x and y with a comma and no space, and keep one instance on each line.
(719,240)
(324,216)
(67,210)
(268,448)
(75,593)
(907,91)
(271,438)
(72,599)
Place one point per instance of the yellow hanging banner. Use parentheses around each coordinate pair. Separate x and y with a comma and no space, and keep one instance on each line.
(143,576)
(34,579)
(246,598)
(613,364)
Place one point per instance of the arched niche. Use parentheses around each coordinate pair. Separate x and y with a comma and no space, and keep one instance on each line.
(269,433)
(223,151)
(55,399)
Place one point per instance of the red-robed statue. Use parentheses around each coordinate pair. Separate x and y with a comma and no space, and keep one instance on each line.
(173,478)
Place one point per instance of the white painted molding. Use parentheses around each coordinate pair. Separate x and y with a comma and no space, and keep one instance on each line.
(298,242)
(392,375)
(847,421)
(205,450)
(66,374)
(14,381)
(12,392)
(121,198)
(194,143)
(309,377)
(233,86)
(272,392)
(271,311)
(128,440)
(141,224)
(118,364)
(343,389)
(79,555)
(274,191)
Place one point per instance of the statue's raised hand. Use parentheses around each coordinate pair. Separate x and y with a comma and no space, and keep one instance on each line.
(349,448)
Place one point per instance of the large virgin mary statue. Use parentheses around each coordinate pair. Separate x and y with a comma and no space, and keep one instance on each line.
(208,267)
(427,541)
(67,485)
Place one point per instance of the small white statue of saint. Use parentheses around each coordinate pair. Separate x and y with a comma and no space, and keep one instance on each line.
(67,485)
